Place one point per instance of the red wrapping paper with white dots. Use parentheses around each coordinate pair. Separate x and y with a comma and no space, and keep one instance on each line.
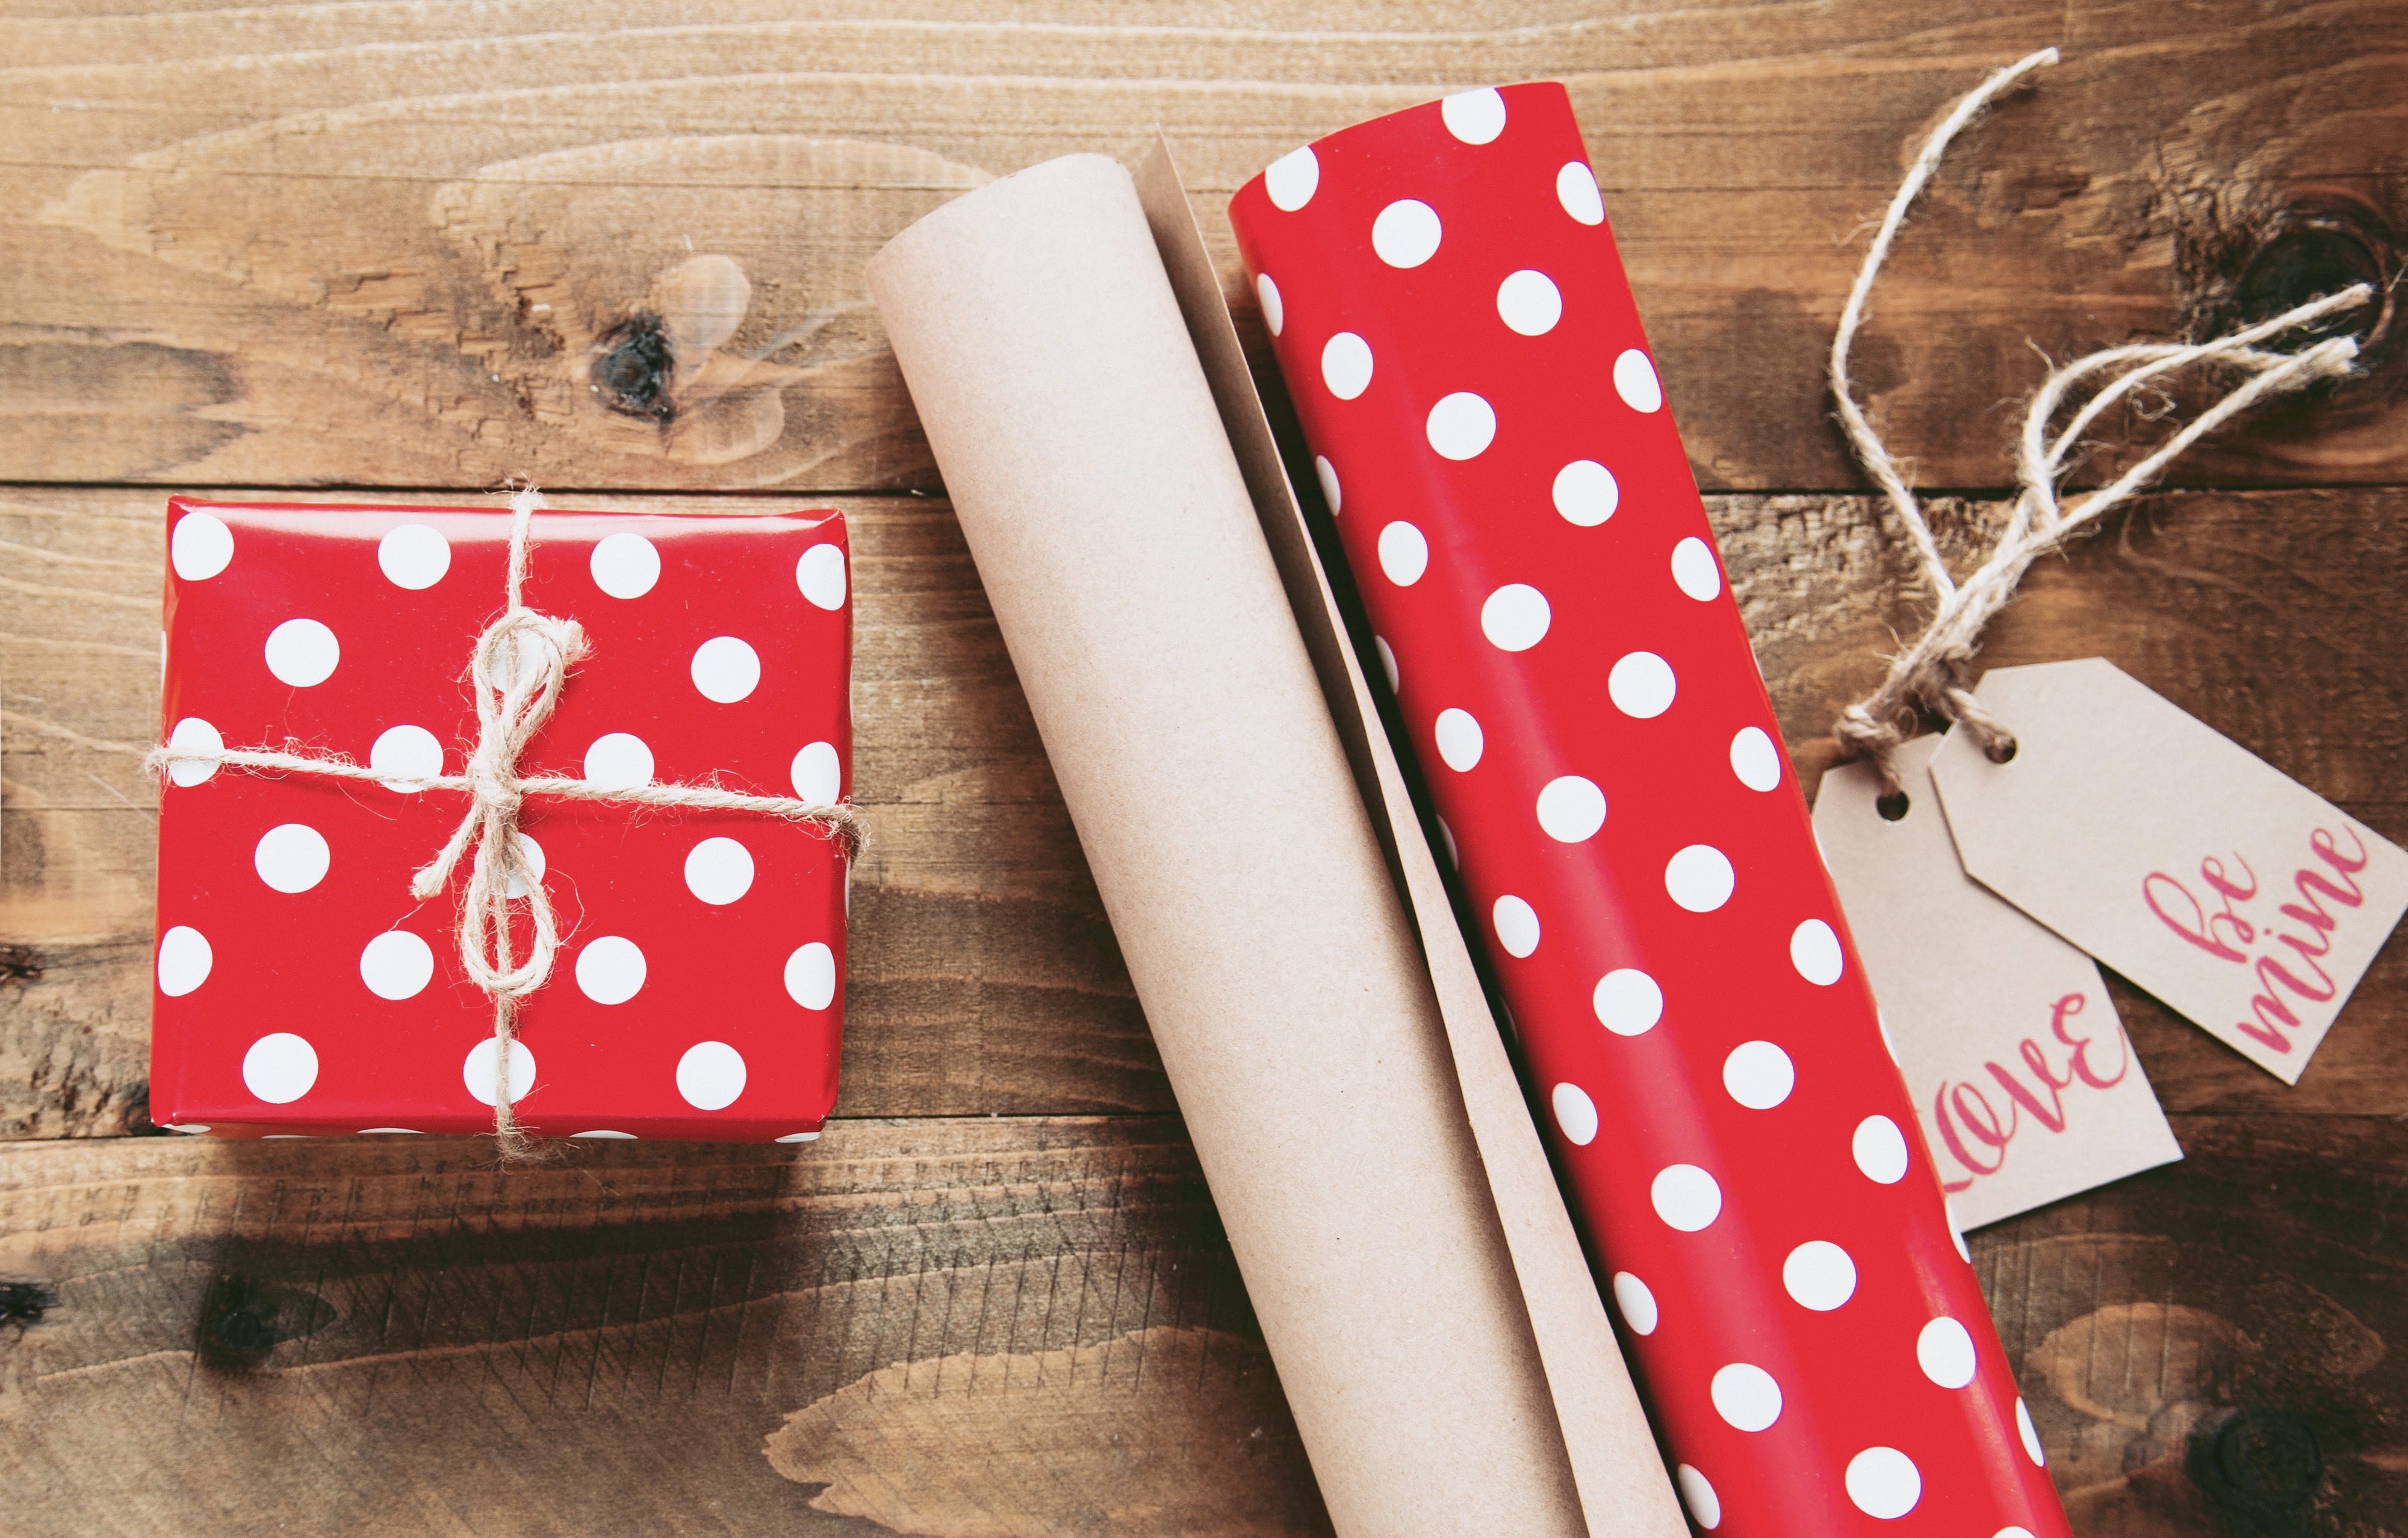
(1490,433)
(301,990)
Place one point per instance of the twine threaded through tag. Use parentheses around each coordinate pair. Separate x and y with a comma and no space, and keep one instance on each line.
(1930,674)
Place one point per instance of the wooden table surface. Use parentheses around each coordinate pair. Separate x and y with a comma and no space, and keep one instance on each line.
(412,247)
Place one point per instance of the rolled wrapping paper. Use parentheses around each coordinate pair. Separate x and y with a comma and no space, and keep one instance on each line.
(1096,487)
(1447,306)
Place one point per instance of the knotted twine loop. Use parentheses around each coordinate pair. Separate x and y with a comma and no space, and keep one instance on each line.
(1931,674)
(516,670)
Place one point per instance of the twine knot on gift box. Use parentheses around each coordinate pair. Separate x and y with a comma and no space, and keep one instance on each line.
(519,665)
(1931,674)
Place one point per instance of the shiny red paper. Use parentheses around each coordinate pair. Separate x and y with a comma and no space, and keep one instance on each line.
(698,987)
(1489,431)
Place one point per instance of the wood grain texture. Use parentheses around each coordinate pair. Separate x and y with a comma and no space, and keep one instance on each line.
(408,244)
(395,1338)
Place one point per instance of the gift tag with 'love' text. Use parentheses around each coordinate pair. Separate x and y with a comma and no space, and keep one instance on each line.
(2240,898)
(2020,1071)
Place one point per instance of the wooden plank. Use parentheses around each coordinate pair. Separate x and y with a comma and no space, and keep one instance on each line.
(985,979)
(394,245)
(948,1328)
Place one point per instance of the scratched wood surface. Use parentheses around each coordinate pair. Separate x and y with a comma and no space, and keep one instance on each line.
(415,248)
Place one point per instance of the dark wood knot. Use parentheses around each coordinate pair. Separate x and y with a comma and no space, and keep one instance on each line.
(2317,245)
(23,1303)
(2259,1461)
(633,368)
(237,1325)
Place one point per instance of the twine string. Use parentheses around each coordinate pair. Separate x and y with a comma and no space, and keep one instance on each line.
(1929,674)
(516,671)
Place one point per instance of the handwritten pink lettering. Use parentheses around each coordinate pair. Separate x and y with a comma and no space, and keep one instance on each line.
(2224,933)
(1973,1129)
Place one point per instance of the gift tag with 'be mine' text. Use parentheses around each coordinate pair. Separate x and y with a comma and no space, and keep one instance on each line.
(2020,1071)
(2240,898)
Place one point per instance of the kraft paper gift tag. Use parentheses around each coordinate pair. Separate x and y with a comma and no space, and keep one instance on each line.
(2240,898)
(2020,1073)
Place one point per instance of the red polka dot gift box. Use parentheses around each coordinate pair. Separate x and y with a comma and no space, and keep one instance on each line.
(696,988)
(1491,439)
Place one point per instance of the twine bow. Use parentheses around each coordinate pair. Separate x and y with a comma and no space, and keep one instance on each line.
(517,669)
(1931,673)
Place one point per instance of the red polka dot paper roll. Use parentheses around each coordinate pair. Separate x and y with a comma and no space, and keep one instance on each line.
(698,985)
(1489,428)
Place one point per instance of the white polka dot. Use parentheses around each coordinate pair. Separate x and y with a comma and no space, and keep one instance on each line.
(1404,555)
(1814,951)
(303,653)
(1406,234)
(1686,1197)
(1274,312)
(1637,1304)
(810,976)
(1746,1397)
(610,970)
(1759,1075)
(291,858)
(477,1070)
(530,856)
(1695,570)
(280,1067)
(625,566)
(1515,617)
(1461,426)
(719,871)
(1641,686)
(410,755)
(1880,1149)
(1820,1276)
(1576,1113)
(1291,178)
(604,1133)
(1517,925)
(1460,739)
(1699,878)
(1956,1233)
(2012,1532)
(1576,190)
(201,546)
(1331,493)
(1634,381)
(1529,302)
(396,964)
(725,669)
(1888,1042)
(1571,809)
(1387,661)
(413,556)
(798,1137)
(1453,858)
(2030,1434)
(710,1075)
(390,1132)
(1475,117)
(1944,1351)
(194,1127)
(821,576)
(1346,364)
(1628,1002)
(1755,760)
(184,960)
(1705,1507)
(818,774)
(193,735)
(619,761)
(1585,493)
(1883,1483)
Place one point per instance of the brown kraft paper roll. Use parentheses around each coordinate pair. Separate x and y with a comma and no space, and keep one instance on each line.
(1099,495)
